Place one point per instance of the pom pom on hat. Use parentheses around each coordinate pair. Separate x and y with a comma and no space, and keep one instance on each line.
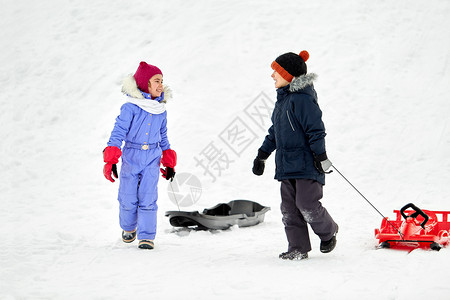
(305,55)
(290,65)
(143,75)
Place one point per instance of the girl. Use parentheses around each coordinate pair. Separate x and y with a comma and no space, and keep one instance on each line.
(142,125)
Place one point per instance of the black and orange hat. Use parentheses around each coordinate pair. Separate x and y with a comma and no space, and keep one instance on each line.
(290,65)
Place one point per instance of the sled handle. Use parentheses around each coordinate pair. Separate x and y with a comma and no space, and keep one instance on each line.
(414,215)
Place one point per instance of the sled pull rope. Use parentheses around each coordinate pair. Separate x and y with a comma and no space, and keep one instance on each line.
(401,235)
(173,193)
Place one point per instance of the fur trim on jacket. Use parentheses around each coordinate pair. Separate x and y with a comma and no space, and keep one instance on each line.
(299,83)
(130,88)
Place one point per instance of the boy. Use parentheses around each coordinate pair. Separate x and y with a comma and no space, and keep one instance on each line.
(142,124)
(298,135)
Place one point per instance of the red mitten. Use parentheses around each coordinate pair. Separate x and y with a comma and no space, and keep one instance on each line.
(109,170)
(111,157)
(169,158)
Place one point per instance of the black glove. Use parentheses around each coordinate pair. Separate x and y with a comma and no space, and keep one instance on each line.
(168,173)
(114,170)
(259,162)
(322,163)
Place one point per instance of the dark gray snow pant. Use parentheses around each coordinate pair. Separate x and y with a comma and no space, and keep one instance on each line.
(300,206)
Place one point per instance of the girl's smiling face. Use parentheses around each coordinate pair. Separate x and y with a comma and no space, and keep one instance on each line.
(155,86)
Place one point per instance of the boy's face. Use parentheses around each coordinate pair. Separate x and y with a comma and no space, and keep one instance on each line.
(279,81)
(155,85)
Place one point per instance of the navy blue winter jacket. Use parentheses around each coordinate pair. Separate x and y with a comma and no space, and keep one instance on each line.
(297,133)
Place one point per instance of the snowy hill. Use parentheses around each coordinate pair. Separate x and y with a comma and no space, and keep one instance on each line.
(383,86)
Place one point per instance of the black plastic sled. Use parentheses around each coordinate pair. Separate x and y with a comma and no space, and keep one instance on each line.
(243,213)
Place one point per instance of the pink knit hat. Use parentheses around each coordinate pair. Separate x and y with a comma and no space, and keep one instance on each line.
(143,75)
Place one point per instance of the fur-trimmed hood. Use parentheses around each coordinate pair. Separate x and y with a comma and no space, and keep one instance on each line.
(299,83)
(130,88)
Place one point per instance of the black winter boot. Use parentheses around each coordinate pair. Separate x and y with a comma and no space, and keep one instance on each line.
(146,244)
(328,246)
(128,236)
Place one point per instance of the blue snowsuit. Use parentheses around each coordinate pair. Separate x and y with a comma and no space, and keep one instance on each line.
(145,136)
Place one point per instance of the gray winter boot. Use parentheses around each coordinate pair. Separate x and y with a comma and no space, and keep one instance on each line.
(293,255)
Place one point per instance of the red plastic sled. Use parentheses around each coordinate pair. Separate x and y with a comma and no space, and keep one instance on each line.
(423,229)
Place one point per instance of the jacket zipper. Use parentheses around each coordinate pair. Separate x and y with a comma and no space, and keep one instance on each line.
(289,119)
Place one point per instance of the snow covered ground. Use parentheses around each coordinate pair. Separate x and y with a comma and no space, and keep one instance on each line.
(383,86)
